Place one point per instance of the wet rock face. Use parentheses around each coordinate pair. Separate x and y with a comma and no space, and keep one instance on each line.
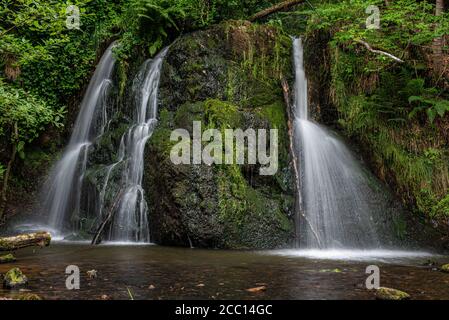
(227,77)
(14,279)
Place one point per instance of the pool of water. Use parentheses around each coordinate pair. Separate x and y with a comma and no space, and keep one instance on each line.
(153,272)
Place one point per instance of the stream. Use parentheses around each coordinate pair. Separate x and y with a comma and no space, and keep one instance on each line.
(152,272)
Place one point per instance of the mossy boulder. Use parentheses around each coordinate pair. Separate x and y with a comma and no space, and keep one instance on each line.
(7,258)
(445,268)
(14,279)
(391,294)
(226,77)
(28,296)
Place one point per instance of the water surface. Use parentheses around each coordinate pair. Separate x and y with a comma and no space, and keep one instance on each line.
(153,272)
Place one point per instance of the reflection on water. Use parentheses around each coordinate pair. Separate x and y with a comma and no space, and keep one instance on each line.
(381,255)
(152,272)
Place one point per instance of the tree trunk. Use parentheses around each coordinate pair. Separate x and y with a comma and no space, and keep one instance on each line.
(4,198)
(276,8)
(41,239)
(439,7)
(437,46)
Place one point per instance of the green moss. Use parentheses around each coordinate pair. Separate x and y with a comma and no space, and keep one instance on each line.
(275,114)
(445,268)
(400,227)
(29,296)
(7,258)
(122,71)
(442,208)
(391,294)
(14,278)
(232,195)
(220,114)
(186,114)
(240,206)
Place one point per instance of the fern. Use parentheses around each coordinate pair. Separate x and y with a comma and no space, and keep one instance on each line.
(433,106)
(425,100)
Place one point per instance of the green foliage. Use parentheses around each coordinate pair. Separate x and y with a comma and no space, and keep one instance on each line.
(442,208)
(391,107)
(403,23)
(152,21)
(427,100)
(151,24)
(49,59)
(2,171)
(26,114)
(44,64)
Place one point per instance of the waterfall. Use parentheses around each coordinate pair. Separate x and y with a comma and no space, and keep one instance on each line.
(131,219)
(63,188)
(64,191)
(338,199)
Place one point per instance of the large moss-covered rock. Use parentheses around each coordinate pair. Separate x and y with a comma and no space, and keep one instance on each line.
(391,294)
(226,77)
(14,278)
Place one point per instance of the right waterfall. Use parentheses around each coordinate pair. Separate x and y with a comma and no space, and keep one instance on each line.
(339,199)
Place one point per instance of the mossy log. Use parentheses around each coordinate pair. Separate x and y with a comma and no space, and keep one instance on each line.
(282,6)
(41,239)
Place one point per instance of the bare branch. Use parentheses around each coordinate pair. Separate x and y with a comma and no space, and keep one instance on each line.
(379,51)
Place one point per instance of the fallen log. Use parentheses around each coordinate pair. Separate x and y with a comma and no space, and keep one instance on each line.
(41,239)
(276,8)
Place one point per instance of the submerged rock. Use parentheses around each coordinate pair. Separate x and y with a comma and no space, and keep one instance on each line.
(257,289)
(92,274)
(29,296)
(14,278)
(7,258)
(445,268)
(391,294)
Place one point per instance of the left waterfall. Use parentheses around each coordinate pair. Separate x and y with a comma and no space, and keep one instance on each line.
(63,188)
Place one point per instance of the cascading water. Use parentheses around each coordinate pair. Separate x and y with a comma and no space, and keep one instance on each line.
(338,200)
(63,188)
(131,219)
(127,217)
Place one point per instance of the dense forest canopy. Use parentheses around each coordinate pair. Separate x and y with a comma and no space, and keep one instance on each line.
(46,62)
